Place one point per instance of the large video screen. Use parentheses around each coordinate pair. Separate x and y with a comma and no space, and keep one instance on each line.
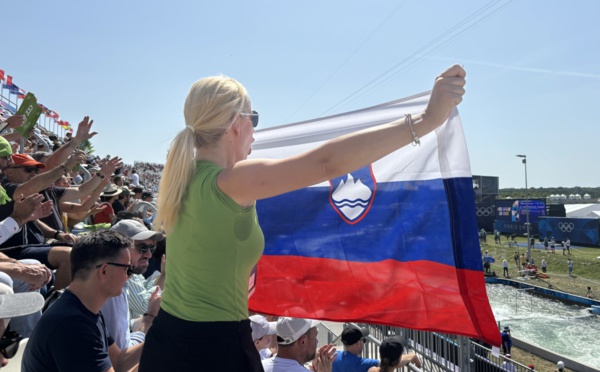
(515,210)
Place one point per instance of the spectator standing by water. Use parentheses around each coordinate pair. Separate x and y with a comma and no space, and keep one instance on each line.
(206,205)
(544,265)
(589,293)
(523,261)
(505,268)
(506,340)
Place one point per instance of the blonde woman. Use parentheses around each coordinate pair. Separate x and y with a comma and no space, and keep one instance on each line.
(206,205)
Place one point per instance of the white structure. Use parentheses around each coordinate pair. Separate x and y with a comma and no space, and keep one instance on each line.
(582,210)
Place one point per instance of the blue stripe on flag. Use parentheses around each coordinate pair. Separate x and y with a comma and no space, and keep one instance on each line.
(408,221)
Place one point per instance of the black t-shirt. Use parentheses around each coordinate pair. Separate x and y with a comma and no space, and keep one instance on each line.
(68,337)
(117,206)
(30,233)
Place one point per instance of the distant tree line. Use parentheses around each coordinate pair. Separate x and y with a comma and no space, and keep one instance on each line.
(544,192)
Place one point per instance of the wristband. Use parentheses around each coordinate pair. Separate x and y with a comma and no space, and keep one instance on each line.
(416,140)
(100,175)
(55,236)
(150,315)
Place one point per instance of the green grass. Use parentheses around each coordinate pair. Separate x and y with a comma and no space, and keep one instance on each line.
(585,262)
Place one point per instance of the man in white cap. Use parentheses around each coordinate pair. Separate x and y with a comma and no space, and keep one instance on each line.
(297,339)
(507,365)
(116,309)
(15,305)
(261,330)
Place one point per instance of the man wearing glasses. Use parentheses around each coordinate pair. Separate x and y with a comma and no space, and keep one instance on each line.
(71,335)
(116,309)
(349,360)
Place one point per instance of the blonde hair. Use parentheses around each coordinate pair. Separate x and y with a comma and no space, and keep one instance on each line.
(209,109)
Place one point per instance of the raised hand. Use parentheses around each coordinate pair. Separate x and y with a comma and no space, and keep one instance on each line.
(447,92)
(324,358)
(78,157)
(83,130)
(109,166)
(154,302)
(15,121)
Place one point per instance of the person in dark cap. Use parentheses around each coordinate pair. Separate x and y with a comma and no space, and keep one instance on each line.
(390,352)
(147,196)
(349,360)
(506,340)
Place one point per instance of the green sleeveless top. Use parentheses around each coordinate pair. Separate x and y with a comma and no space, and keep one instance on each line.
(210,253)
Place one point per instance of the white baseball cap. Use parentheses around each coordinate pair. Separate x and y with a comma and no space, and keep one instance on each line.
(291,329)
(261,328)
(17,304)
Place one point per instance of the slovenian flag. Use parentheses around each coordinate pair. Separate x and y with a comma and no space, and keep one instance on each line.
(392,243)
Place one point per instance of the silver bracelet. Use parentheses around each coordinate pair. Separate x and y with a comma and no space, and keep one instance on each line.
(416,140)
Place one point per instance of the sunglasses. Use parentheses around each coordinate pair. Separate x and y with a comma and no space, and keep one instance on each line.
(129,267)
(28,169)
(143,248)
(253,116)
(9,345)
(6,157)
(364,340)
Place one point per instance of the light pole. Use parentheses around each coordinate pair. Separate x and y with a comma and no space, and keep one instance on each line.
(524,157)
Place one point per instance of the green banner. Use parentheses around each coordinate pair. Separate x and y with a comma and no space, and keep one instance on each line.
(32,111)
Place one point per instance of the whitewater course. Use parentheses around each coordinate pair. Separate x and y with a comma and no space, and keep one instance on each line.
(564,329)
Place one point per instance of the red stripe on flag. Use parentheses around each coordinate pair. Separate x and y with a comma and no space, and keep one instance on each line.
(419,295)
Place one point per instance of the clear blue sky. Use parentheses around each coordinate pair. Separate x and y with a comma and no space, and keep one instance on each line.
(533,69)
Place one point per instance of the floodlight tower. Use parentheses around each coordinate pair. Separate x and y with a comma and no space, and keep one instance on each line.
(524,159)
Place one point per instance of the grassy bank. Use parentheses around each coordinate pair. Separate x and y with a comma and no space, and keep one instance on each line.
(586,265)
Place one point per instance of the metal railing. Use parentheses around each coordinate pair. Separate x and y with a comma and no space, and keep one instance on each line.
(437,351)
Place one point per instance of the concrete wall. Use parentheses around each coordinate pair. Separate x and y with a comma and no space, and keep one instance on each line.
(548,355)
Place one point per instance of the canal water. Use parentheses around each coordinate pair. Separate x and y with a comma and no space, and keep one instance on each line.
(568,330)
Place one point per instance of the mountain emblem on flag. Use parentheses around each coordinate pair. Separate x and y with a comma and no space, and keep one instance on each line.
(352,195)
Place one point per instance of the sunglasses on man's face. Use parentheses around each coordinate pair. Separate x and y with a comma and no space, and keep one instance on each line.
(143,248)
(253,116)
(28,169)
(129,270)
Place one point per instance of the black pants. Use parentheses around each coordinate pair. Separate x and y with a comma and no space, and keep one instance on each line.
(173,344)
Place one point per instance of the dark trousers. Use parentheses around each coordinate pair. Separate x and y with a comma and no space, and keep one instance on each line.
(173,344)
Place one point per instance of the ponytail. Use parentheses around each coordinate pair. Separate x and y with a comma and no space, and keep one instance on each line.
(177,174)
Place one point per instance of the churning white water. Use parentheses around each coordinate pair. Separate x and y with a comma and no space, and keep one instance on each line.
(568,330)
